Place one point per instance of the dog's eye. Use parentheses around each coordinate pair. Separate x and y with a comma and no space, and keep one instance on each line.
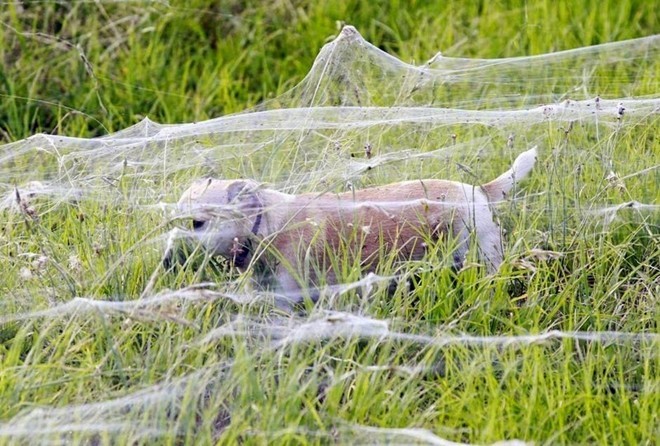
(197,224)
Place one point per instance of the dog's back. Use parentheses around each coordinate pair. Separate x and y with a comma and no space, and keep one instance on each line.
(398,220)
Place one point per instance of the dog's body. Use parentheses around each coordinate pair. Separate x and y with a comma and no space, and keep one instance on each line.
(293,241)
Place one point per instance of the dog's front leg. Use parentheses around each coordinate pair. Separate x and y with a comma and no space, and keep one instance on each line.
(288,286)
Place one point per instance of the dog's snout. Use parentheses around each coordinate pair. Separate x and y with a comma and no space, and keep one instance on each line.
(198,224)
(174,255)
(168,259)
(174,259)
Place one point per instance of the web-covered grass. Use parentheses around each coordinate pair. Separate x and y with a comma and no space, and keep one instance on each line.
(99,344)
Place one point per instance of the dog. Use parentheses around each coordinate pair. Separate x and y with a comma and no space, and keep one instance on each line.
(291,242)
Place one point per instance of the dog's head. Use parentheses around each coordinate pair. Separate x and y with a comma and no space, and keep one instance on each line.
(224,215)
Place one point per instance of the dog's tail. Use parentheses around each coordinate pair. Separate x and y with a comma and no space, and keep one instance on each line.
(500,186)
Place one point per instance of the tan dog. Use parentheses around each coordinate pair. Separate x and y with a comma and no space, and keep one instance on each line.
(293,241)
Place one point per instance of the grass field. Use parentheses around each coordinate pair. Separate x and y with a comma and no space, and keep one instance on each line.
(99,345)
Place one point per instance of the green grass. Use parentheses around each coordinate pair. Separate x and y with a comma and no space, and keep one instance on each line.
(160,372)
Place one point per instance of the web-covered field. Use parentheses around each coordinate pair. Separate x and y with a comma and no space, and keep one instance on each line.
(99,344)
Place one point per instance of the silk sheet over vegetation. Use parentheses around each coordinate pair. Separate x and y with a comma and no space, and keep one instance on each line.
(98,343)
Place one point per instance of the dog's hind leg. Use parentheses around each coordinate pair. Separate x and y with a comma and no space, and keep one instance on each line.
(489,240)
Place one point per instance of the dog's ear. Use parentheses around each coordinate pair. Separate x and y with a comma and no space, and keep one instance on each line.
(243,192)
(235,189)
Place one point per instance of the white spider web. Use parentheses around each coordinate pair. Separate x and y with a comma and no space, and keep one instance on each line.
(362,117)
